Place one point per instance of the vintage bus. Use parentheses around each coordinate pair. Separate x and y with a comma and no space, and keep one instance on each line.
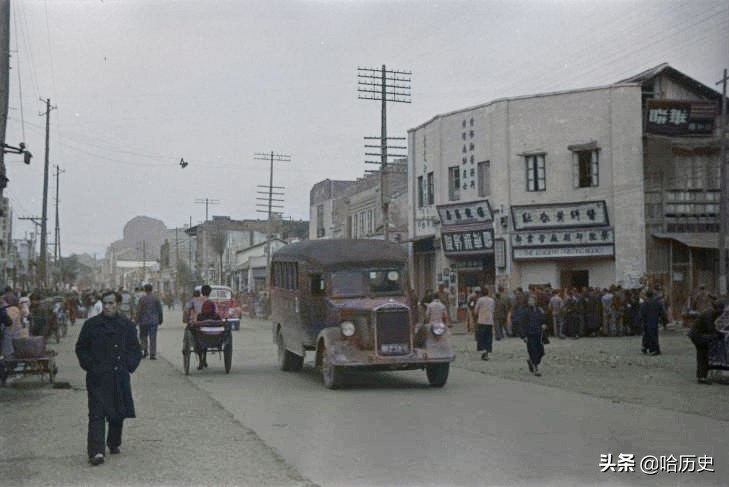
(346,301)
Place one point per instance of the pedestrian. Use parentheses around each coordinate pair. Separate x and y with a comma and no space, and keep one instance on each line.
(556,306)
(108,350)
(437,311)
(532,325)
(517,302)
(702,300)
(484,314)
(426,300)
(652,312)
(126,307)
(445,297)
(149,317)
(96,306)
(572,313)
(470,305)
(501,312)
(702,334)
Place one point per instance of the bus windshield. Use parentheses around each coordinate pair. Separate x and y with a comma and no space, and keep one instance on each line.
(371,282)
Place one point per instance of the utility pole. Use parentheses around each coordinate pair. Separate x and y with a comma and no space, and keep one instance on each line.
(271,157)
(42,267)
(202,230)
(723,215)
(36,221)
(384,85)
(5,83)
(206,202)
(57,243)
(189,244)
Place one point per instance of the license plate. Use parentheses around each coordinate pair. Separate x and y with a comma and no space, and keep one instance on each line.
(394,347)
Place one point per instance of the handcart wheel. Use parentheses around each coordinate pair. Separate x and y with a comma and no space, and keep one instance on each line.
(228,355)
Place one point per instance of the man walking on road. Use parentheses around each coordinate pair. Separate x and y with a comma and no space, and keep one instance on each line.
(149,317)
(108,350)
(484,314)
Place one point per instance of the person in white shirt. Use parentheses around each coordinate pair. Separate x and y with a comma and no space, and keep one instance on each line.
(484,314)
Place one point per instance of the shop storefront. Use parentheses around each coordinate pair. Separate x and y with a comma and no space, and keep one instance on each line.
(467,240)
(564,245)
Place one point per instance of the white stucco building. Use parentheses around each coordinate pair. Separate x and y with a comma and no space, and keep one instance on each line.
(545,189)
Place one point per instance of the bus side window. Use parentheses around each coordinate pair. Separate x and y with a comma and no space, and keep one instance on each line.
(318,286)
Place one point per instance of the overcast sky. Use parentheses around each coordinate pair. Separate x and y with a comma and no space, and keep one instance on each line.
(139,84)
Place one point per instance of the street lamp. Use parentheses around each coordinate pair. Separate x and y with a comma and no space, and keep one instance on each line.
(9,149)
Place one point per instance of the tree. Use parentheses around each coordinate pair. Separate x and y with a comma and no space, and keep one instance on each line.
(185,277)
(66,271)
(219,242)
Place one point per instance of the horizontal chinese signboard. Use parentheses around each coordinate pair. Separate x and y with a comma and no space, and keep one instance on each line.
(468,242)
(675,117)
(561,238)
(564,252)
(466,213)
(560,215)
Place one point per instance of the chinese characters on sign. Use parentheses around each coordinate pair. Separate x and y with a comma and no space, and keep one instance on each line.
(468,241)
(466,213)
(552,238)
(565,215)
(674,117)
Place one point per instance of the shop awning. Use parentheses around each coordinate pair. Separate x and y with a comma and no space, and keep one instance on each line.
(694,240)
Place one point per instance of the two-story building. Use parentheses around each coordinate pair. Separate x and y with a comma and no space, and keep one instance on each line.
(554,188)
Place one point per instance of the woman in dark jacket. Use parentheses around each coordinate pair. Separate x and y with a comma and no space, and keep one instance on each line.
(531,329)
(109,351)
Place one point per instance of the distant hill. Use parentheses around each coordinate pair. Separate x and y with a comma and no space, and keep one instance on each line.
(137,230)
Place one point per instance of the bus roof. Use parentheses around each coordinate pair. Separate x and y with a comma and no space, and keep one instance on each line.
(341,253)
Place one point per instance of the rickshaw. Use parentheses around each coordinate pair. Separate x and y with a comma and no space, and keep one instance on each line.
(208,336)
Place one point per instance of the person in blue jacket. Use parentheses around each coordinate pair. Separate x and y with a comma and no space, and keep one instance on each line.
(108,350)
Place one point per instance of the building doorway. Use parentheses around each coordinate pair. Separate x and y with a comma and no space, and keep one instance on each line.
(576,279)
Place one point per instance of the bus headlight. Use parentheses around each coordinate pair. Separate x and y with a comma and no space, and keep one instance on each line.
(438,328)
(347,328)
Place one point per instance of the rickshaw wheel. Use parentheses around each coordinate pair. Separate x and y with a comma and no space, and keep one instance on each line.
(228,356)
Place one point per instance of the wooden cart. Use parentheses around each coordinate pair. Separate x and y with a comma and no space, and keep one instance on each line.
(30,358)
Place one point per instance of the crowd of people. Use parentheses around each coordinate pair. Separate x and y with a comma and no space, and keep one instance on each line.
(539,313)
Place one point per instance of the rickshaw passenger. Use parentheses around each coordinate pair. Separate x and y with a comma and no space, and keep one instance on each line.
(193,307)
(208,313)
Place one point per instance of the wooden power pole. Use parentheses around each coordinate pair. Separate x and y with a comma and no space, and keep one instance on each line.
(384,85)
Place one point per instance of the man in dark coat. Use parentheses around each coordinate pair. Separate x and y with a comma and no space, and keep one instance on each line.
(531,328)
(652,313)
(108,350)
(703,333)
